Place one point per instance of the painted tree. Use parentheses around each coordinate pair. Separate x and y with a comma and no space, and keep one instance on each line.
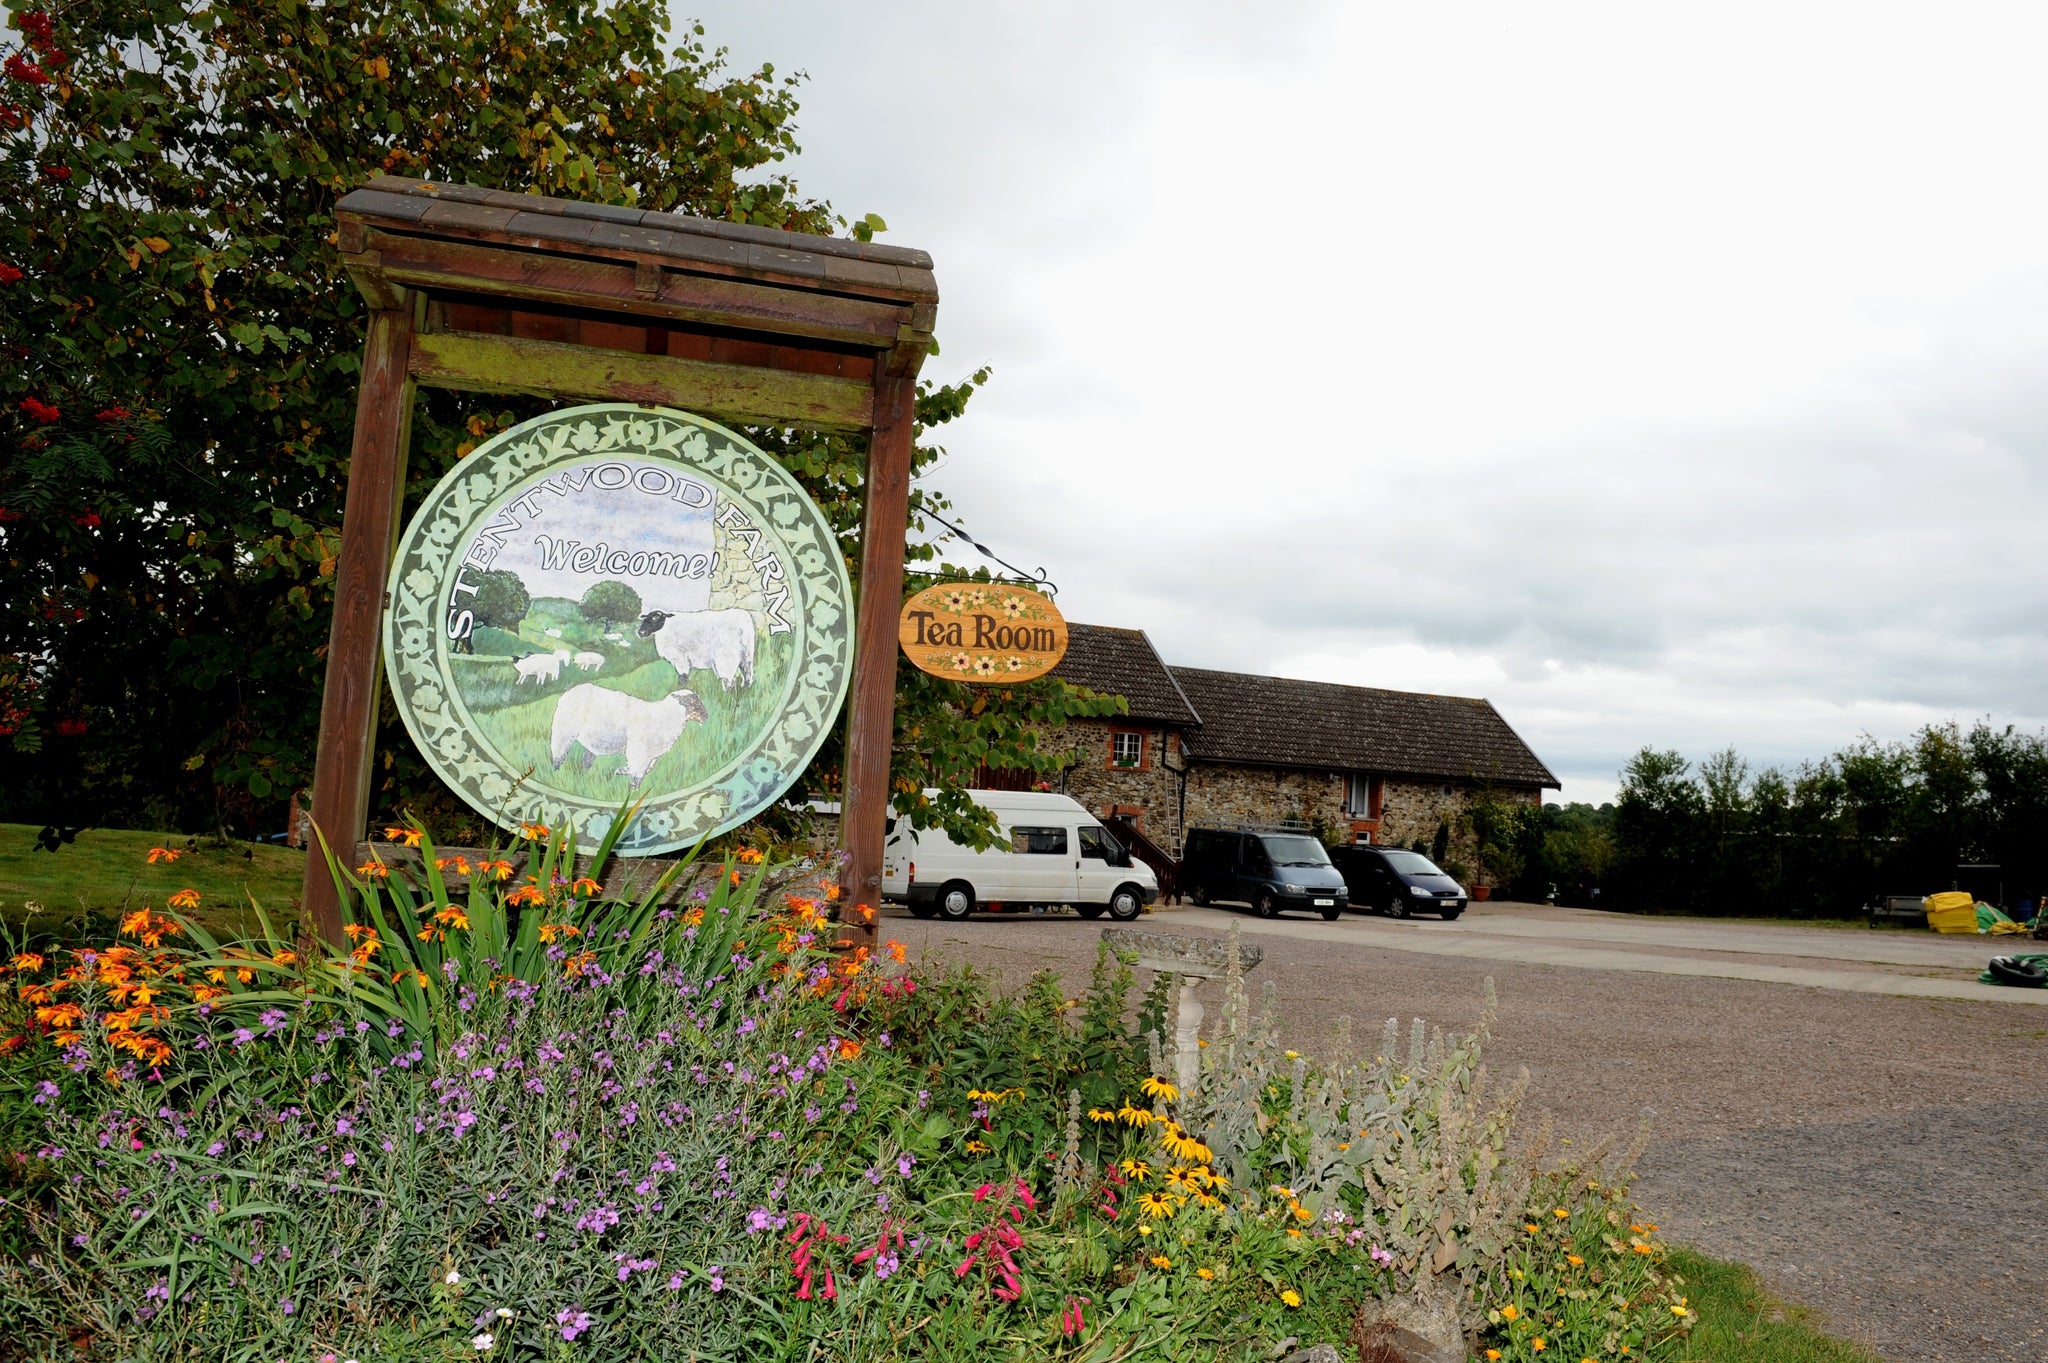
(501,599)
(610,602)
(181,353)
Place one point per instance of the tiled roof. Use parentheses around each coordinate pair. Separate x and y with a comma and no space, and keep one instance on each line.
(1122,662)
(1280,722)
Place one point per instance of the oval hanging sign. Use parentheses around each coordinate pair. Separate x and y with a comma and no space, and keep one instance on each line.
(613,603)
(982,632)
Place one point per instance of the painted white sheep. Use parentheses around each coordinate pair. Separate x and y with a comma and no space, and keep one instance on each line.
(607,722)
(589,662)
(540,667)
(720,640)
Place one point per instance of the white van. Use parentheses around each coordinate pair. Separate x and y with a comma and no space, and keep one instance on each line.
(1057,853)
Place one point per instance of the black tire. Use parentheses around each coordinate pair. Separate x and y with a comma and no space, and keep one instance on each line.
(1331,915)
(1263,905)
(2008,970)
(1451,915)
(1127,903)
(1397,906)
(955,903)
(1200,895)
(923,908)
(1090,910)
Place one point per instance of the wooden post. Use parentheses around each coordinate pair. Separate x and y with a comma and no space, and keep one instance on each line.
(369,529)
(871,708)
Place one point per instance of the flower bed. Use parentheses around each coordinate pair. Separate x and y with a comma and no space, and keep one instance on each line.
(537,1123)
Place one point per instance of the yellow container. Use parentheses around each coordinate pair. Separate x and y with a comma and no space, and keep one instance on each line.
(1952,911)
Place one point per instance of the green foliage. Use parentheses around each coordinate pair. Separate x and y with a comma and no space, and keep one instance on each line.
(610,602)
(1827,838)
(501,601)
(1739,1318)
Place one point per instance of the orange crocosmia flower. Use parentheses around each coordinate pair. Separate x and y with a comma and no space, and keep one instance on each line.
(533,832)
(550,931)
(136,922)
(529,893)
(584,885)
(500,871)
(27,961)
(832,892)
(407,837)
(185,899)
(157,854)
(59,1014)
(204,992)
(750,855)
(375,870)
(849,1049)
(895,949)
(867,914)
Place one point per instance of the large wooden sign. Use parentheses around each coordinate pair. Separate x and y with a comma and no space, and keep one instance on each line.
(988,632)
(612,603)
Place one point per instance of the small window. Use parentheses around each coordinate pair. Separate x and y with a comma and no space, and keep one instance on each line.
(1126,749)
(1039,841)
(1358,797)
(1450,790)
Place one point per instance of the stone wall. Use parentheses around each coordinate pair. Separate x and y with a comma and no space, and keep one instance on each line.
(1149,792)
(1411,809)
(1220,795)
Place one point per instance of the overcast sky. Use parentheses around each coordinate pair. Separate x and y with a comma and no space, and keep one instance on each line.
(1668,375)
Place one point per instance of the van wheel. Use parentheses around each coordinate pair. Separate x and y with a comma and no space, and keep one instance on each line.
(923,908)
(1126,904)
(1264,905)
(956,901)
(1200,894)
(1331,915)
(1397,907)
(1090,910)
(1451,915)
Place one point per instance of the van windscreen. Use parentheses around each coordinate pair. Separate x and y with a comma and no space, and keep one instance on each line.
(1296,851)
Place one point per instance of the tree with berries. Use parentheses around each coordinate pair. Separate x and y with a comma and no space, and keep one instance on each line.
(181,351)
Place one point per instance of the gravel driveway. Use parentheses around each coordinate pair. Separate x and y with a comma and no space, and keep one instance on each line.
(1882,1159)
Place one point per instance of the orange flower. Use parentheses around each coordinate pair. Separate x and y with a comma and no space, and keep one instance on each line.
(499,871)
(580,962)
(533,832)
(750,855)
(406,837)
(452,917)
(136,922)
(27,961)
(849,1049)
(867,914)
(895,949)
(459,863)
(550,931)
(205,992)
(157,854)
(584,885)
(358,930)
(374,870)
(418,977)
(185,899)
(529,893)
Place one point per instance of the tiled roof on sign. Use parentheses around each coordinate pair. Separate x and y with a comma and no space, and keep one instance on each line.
(1122,662)
(1281,722)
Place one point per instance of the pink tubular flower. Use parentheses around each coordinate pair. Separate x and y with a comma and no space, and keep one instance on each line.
(813,1239)
(1071,1322)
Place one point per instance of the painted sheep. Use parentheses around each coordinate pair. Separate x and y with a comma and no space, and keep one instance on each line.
(589,662)
(552,633)
(720,640)
(540,667)
(608,722)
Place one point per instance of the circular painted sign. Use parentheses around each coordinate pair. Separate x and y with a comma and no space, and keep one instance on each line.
(982,632)
(615,603)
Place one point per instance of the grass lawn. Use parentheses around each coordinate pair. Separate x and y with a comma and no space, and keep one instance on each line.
(1739,1319)
(83,887)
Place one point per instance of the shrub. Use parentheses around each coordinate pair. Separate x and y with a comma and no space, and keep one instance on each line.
(535,1123)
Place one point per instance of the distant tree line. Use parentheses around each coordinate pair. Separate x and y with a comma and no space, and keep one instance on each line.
(1820,841)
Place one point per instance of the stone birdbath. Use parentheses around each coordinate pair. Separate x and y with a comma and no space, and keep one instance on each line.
(1192,959)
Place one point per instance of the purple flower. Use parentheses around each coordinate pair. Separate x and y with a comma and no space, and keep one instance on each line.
(216,1147)
(573,1322)
(905,1163)
(342,1126)
(46,1092)
(287,1305)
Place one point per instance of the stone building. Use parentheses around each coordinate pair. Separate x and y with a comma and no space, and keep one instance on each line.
(1206,748)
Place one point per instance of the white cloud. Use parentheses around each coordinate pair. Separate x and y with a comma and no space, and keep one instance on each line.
(1669,377)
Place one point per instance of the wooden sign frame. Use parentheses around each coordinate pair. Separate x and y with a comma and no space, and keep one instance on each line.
(489,291)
